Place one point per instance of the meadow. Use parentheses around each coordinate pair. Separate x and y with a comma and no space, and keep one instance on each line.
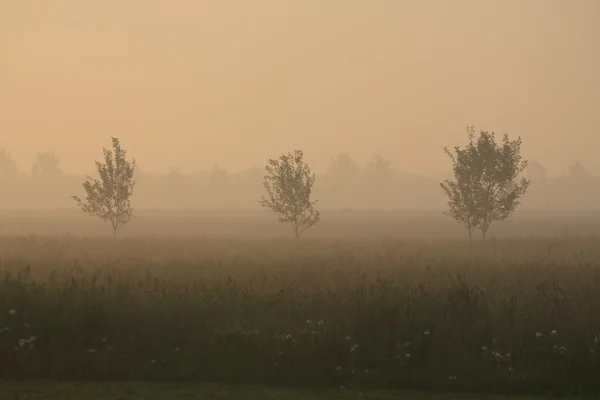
(518,315)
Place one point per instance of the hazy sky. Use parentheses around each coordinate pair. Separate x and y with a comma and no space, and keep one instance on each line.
(192,83)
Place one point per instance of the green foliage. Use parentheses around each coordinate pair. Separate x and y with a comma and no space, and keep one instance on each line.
(486,185)
(109,197)
(289,184)
(410,315)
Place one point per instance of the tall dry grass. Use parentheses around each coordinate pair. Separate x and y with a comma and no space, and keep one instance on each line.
(499,316)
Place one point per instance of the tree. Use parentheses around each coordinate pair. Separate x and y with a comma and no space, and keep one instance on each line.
(46,165)
(536,172)
(538,176)
(343,169)
(8,166)
(289,184)
(379,169)
(219,178)
(109,197)
(578,173)
(486,185)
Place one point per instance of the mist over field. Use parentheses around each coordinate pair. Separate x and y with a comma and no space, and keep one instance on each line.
(362,196)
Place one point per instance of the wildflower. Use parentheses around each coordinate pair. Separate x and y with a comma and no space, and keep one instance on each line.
(177,349)
(342,387)
(597,339)
(348,338)
(152,361)
(407,344)
(338,368)
(321,322)
(308,322)
(553,333)
(92,351)
(511,369)
(452,377)
(562,349)
(103,339)
(426,333)
(407,356)
(354,348)
(507,355)
(26,325)
(484,348)
(22,343)
(538,335)
(12,312)
(366,371)
(288,337)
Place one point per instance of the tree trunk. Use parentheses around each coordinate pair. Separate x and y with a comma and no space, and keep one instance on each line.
(470,236)
(296,230)
(484,232)
(115,232)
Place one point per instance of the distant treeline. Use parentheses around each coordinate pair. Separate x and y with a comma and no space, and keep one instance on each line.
(343,186)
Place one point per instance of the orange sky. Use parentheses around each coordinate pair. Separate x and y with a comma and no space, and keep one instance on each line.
(191,83)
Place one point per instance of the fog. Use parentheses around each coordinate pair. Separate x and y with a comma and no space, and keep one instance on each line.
(189,85)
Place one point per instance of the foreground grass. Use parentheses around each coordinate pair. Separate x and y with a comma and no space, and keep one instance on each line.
(157,391)
(500,317)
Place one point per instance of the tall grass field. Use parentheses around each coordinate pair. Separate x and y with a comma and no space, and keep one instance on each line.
(501,316)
